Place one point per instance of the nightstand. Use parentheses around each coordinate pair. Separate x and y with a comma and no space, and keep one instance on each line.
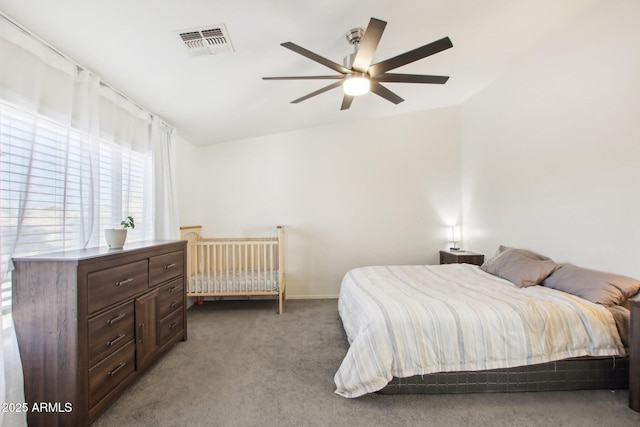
(634,356)
(461,257)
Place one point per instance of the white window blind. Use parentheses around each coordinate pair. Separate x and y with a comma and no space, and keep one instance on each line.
(59,189)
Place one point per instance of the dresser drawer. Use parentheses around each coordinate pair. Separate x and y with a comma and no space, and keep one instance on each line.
(115,284)
(106,375)
(110,331)
(165,267)
(171,326)
(171,297)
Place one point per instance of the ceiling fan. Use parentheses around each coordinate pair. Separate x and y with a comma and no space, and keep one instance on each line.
(358,76)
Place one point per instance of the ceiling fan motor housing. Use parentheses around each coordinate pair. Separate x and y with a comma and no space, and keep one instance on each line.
(354,35)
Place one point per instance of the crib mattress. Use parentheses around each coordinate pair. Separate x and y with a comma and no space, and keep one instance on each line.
(245,281)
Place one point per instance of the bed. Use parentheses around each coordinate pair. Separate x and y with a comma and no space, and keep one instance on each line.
(235,267)
(520,322)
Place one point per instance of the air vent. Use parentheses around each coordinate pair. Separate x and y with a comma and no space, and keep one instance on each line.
(210,40)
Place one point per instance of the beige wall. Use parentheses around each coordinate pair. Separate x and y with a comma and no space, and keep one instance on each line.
(374,192)
(551,151)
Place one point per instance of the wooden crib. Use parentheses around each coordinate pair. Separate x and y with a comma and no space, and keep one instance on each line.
(233,267)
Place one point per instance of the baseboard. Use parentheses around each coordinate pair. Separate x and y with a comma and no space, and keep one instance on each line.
(312,296)
(192,300)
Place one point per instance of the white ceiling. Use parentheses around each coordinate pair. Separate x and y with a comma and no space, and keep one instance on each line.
(133,46)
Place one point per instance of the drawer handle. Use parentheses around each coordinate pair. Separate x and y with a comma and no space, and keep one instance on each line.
(174,324)
(173,304)
(115,340)
(169,266)
(172,290)
(124,282)
(115,319)
(118,369)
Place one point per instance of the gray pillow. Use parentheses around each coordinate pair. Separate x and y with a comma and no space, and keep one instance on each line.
(519,266)
(526,252)
(595,286)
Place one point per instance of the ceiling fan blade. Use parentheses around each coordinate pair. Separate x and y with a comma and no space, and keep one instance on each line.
(411,78)
(346,102)
(318,92)
(315,57)
(411,56)
(382,91)
(368,45)
(304,78)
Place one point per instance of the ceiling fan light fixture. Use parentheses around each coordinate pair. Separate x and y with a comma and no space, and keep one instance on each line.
(356,84)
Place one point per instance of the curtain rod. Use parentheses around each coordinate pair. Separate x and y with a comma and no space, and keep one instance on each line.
(78,66)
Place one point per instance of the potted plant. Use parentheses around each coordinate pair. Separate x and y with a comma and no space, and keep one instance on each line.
(117,236)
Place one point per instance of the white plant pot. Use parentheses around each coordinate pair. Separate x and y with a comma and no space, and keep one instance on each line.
(115,237)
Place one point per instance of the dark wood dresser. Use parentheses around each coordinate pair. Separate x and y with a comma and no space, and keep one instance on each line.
(461,257)
(634,356)
(89,322)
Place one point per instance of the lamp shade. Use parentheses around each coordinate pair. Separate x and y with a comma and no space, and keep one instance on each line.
(454,237)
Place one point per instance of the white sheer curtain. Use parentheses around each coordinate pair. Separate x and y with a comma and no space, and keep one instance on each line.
(163,141)
(76,157)
(11,383)
(39,81)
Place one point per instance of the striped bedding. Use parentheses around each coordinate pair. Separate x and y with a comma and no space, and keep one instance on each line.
(410,320)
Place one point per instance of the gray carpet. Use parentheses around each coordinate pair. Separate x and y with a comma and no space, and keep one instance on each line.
(243,365)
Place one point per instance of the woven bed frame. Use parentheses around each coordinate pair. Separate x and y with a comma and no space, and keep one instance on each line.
(570,374)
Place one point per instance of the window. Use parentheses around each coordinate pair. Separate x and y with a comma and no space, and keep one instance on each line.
(59,189)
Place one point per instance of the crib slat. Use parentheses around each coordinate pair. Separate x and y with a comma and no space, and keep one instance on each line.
(198,265)
(238,277)
(246,268)
(197,269)
(233,268)
(213,286)
(263,284)
(226,248)
(256,286)
(204,262)
(270,268)
(253,270)
(200,268)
